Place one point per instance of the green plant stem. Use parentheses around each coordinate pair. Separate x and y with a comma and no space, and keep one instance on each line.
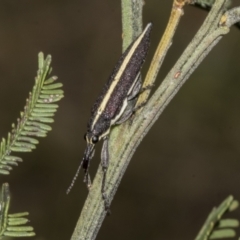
(131,21)
(87,227)
(214,217)
(5,203)
(124,139)
(11,225)
(209,3)
(161,51)
(231,17)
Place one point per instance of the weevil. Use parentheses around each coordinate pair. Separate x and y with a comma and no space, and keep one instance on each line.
(115,104)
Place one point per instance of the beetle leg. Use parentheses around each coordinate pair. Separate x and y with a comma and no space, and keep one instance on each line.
(131,101)
(136,88)
(105,162)
(128,112)
(150,86)
(87,178)
(85,166)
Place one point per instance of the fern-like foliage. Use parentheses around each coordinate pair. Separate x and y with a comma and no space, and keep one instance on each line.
(33,122)
(215,227)
(11,224)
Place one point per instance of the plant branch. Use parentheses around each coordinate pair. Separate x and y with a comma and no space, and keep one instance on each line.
(208,3)
(231,17)
(216,227)
(33,122)
(162,49)
(87,227)
(131,21)
(12,225)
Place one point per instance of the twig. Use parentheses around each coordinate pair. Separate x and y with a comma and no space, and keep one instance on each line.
(216,227)
(131,21)
(162,49)
(87,227)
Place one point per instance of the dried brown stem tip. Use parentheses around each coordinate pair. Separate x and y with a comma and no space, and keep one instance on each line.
(181,3)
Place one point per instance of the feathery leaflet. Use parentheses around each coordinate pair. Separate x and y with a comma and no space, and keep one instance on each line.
(11,224)
(215,227)
(35,118)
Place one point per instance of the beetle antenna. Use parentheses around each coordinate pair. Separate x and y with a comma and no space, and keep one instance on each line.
(74,178)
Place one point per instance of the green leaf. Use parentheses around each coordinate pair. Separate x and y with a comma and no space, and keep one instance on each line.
(42,114)
(36,134)
(44,110)
(51,80)
(234,205)
(42,119)
(215,227)
(16,215)
(52,86)
(5,166)
(7,163)
(20,149)
(4,172)
(50,99)
(52,92)
(38,105)
(38,111)
(13,158)
(11,224)
(19,234)
(17,221)
(40,125)
(28,139)
(24,144)
(224,223)
(226,233)
(20,229)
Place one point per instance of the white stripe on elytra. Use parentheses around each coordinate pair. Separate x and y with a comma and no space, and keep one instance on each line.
(125,102)
(124,105)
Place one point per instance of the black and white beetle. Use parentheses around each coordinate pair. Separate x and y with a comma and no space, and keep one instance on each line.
(115,103)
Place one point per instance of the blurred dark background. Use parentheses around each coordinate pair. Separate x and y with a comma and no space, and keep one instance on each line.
(189,161)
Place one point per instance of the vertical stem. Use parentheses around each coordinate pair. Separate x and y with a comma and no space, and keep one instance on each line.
(93,212)
(162,49)
(131,21)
